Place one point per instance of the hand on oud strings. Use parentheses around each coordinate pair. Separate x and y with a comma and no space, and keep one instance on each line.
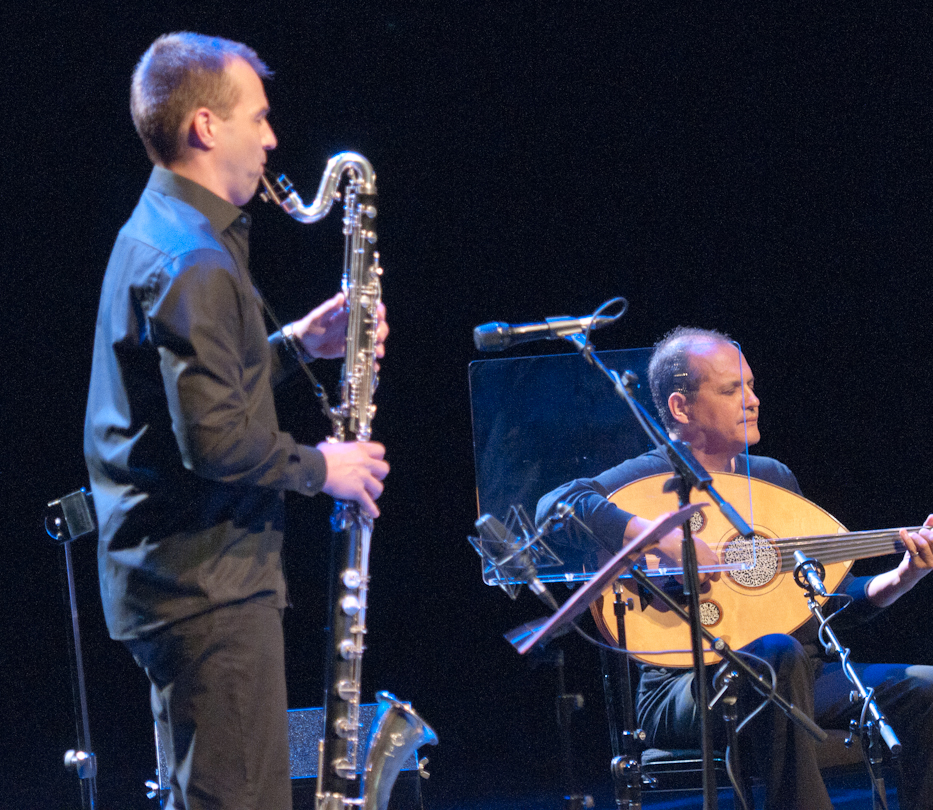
(670,549)
(919,545)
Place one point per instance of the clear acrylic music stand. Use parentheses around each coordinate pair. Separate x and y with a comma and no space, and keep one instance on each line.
(539,422)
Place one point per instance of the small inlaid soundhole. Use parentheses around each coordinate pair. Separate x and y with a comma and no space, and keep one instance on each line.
(697,522)
(710,614)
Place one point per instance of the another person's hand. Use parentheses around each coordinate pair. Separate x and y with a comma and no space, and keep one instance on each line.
(355,472)
(323,331)
(919,547)
(670,548)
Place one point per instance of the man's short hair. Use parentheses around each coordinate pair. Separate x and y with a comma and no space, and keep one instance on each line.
(178,74)
(670,369)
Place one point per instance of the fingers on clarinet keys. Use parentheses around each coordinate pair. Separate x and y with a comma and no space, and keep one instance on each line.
(355,471)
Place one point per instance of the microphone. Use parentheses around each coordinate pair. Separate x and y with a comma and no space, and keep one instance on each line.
(517,560)
(563,517)
(495,336)
(809,569)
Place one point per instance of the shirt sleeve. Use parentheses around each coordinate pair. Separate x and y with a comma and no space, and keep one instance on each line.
(860,609)
(216,367)
(589,499)
(287,358)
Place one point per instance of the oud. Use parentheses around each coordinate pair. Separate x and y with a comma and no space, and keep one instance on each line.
(758,595)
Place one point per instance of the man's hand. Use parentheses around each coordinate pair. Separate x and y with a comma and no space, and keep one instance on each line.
(670,548)
(323,331)
(884,589)
(355,471)
(919,546)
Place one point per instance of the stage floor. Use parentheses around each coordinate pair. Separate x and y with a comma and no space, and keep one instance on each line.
(849,792)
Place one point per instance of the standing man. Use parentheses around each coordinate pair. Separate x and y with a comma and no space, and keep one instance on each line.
(187,462)
(704,391)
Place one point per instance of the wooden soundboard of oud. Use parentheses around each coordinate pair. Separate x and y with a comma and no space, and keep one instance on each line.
(769,601)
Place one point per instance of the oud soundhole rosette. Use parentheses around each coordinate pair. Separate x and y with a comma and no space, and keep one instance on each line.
(756,561)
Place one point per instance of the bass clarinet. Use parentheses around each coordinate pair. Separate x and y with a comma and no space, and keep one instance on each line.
(397,731)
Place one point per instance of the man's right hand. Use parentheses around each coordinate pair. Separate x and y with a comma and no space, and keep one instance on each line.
(670,548)
(355,471)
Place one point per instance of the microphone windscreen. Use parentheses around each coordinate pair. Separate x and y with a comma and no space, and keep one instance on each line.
(491,337)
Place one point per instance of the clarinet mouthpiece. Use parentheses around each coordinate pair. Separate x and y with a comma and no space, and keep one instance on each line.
(277,193)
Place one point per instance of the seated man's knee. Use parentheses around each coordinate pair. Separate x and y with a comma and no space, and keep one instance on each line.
(919,682)
(784,653)
(921,677)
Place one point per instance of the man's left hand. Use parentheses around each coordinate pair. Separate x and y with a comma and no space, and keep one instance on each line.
(885,589)
(919,547)
(323,331)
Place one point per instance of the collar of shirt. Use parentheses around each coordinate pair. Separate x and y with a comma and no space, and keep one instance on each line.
(220,213)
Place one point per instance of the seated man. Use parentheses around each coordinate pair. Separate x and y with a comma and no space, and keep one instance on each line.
(704,391)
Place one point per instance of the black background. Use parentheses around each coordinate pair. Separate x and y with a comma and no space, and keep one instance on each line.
(765,169)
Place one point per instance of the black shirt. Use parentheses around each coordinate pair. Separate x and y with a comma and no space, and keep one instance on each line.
(188,466)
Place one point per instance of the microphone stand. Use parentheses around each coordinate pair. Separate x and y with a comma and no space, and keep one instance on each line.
(808,574)
(531,634)
(512,553)
(566,704)
(72,517)
(626,765)
(688,474)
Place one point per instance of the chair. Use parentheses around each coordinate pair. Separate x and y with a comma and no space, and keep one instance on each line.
(681,770)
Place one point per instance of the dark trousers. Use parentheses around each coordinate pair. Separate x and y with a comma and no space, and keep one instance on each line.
(776,749)
(905,695)
(218,697)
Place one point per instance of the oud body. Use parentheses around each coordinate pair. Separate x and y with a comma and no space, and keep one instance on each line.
(759,596)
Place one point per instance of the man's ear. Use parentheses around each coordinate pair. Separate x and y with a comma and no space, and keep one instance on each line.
(202,131)
(677,405)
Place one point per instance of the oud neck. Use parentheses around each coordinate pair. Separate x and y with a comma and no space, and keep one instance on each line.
(834,548)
